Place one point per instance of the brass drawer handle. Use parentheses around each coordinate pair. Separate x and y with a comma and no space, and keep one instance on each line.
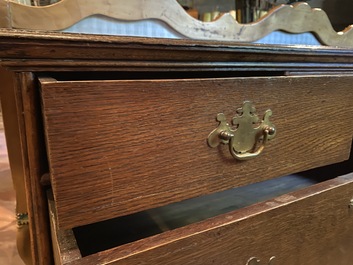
(243,140)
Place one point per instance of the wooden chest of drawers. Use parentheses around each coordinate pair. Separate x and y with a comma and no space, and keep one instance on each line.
(121,126)
(142,144)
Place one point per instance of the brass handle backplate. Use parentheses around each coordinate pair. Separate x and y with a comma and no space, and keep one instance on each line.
(248,135)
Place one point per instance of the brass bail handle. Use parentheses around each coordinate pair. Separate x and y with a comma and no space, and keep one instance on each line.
(249,136)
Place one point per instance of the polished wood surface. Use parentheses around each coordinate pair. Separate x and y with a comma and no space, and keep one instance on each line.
(49,51)
(17,95)
(36,166)
(313,226)
(14,138)
(64,244)
(69,57)
(142,144)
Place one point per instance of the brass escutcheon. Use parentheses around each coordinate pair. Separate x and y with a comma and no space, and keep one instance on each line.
(255,261)
(248,137)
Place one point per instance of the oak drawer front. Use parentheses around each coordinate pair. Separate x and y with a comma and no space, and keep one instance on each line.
(117,147)
(313,226)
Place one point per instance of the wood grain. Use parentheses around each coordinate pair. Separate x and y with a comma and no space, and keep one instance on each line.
(299,18)
(20,101)
(15,137)
(330,98)
(142,144)
(64,244)
(313,226)
(36,165)
(49,51)
(122,230)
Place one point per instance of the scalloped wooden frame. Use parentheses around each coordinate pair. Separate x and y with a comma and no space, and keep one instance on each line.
(68,12)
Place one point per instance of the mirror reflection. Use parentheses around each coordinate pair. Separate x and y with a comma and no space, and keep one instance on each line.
(247,11)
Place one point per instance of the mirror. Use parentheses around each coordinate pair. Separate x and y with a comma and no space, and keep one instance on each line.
(247,11)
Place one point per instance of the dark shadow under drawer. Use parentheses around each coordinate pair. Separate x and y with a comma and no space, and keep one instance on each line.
(318,195)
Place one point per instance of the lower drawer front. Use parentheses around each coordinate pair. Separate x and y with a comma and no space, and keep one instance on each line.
(313,226)
(118,147)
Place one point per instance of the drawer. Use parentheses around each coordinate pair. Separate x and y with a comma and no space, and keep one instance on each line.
(119,147)
(310,226)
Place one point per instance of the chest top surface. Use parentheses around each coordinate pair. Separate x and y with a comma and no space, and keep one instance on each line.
(54,51)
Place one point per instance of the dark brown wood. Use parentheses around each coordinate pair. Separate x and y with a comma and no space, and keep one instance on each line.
(312,117)
(181,67)
(22,126)
(142,144)
(36,166)
(313,226)
(122,230)
(15,139)
(64,244)
(26,50)
(11,120)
